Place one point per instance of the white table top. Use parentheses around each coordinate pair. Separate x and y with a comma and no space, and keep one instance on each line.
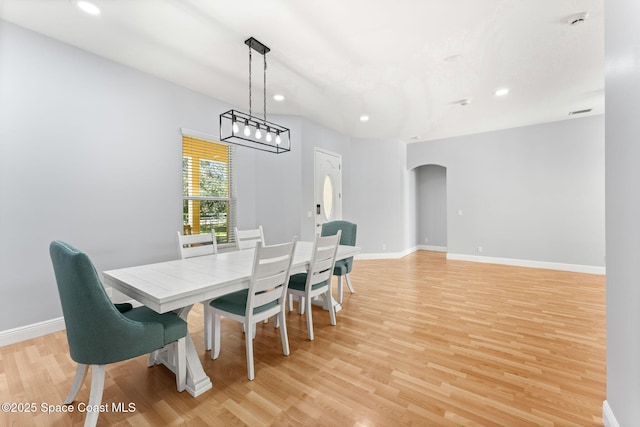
(171,285)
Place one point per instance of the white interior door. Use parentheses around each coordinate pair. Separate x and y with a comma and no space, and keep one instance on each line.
(328,187)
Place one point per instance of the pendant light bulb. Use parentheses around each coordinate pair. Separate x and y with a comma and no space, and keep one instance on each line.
(247,129)
(235,128)
(268,137)
(278,139)
(258,133)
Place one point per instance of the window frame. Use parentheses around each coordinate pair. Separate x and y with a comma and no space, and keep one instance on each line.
(198,150)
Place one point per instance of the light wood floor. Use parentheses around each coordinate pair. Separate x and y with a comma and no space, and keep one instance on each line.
(424,341)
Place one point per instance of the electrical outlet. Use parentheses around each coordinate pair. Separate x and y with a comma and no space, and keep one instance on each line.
(384,246)
(479,249)
(426,240)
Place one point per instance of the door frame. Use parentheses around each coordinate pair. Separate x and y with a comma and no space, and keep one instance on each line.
(317,150)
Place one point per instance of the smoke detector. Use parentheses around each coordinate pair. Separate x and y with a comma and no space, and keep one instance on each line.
(578,18)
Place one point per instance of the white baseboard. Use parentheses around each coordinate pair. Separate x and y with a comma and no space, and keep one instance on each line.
(608,419)
(576,268)
(23,333)
(387,255)
(35,330)
(432,248)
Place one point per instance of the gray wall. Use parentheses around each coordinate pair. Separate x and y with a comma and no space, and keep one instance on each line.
(284,183)
(431,202)
(533,193)
(277,188)
(90,153)
(318,136)
(382,200)
(623,209)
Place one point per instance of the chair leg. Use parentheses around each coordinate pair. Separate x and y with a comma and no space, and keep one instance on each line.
(253,330)
(249,348)
(180,363)
(95,397)
(349,284)
(290,302)
(207,324)
(283,332)
(339,289)
(309,318)
(301,305)
(215,332)
(153,358)
(78,379)
(332,310)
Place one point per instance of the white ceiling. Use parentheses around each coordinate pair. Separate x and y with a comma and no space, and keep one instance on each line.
(335,60)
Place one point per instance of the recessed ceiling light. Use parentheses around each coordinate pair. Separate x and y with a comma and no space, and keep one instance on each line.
(89,8)
(502,92)
(278,97)
(364,118)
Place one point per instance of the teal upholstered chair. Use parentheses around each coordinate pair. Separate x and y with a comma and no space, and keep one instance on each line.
(99,332)
(343,266)
(265,298)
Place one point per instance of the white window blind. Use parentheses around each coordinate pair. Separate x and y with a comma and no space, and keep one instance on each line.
(208,186)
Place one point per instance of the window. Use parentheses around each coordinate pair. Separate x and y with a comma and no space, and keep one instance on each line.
(208,192)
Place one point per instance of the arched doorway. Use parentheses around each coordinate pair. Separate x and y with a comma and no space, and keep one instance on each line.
(431,207)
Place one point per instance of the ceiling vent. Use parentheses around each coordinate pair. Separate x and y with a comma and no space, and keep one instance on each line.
(578,18)
(573,113)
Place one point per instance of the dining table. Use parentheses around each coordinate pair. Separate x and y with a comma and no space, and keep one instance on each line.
(179,284)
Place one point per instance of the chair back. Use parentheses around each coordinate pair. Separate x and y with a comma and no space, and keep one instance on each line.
(323,258)
(270,277)
(348,229)
(348,238)
(93,323)
(249,239)
(192,245)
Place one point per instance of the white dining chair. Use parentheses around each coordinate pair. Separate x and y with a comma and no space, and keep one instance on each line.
(317,280)
(265,298)
(249,239)
(193,245)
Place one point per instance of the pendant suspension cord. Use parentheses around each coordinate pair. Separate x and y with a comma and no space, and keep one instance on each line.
(249,80)
(265,86)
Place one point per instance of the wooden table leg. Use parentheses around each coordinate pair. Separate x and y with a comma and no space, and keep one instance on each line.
(197,380)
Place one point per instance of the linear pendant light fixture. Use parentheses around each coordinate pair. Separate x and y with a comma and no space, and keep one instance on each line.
(251,131)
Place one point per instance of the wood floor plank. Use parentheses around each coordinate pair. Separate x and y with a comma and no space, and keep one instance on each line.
(423,341)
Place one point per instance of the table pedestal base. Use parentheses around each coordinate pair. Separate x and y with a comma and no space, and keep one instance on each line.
(197,380)
(322,302)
